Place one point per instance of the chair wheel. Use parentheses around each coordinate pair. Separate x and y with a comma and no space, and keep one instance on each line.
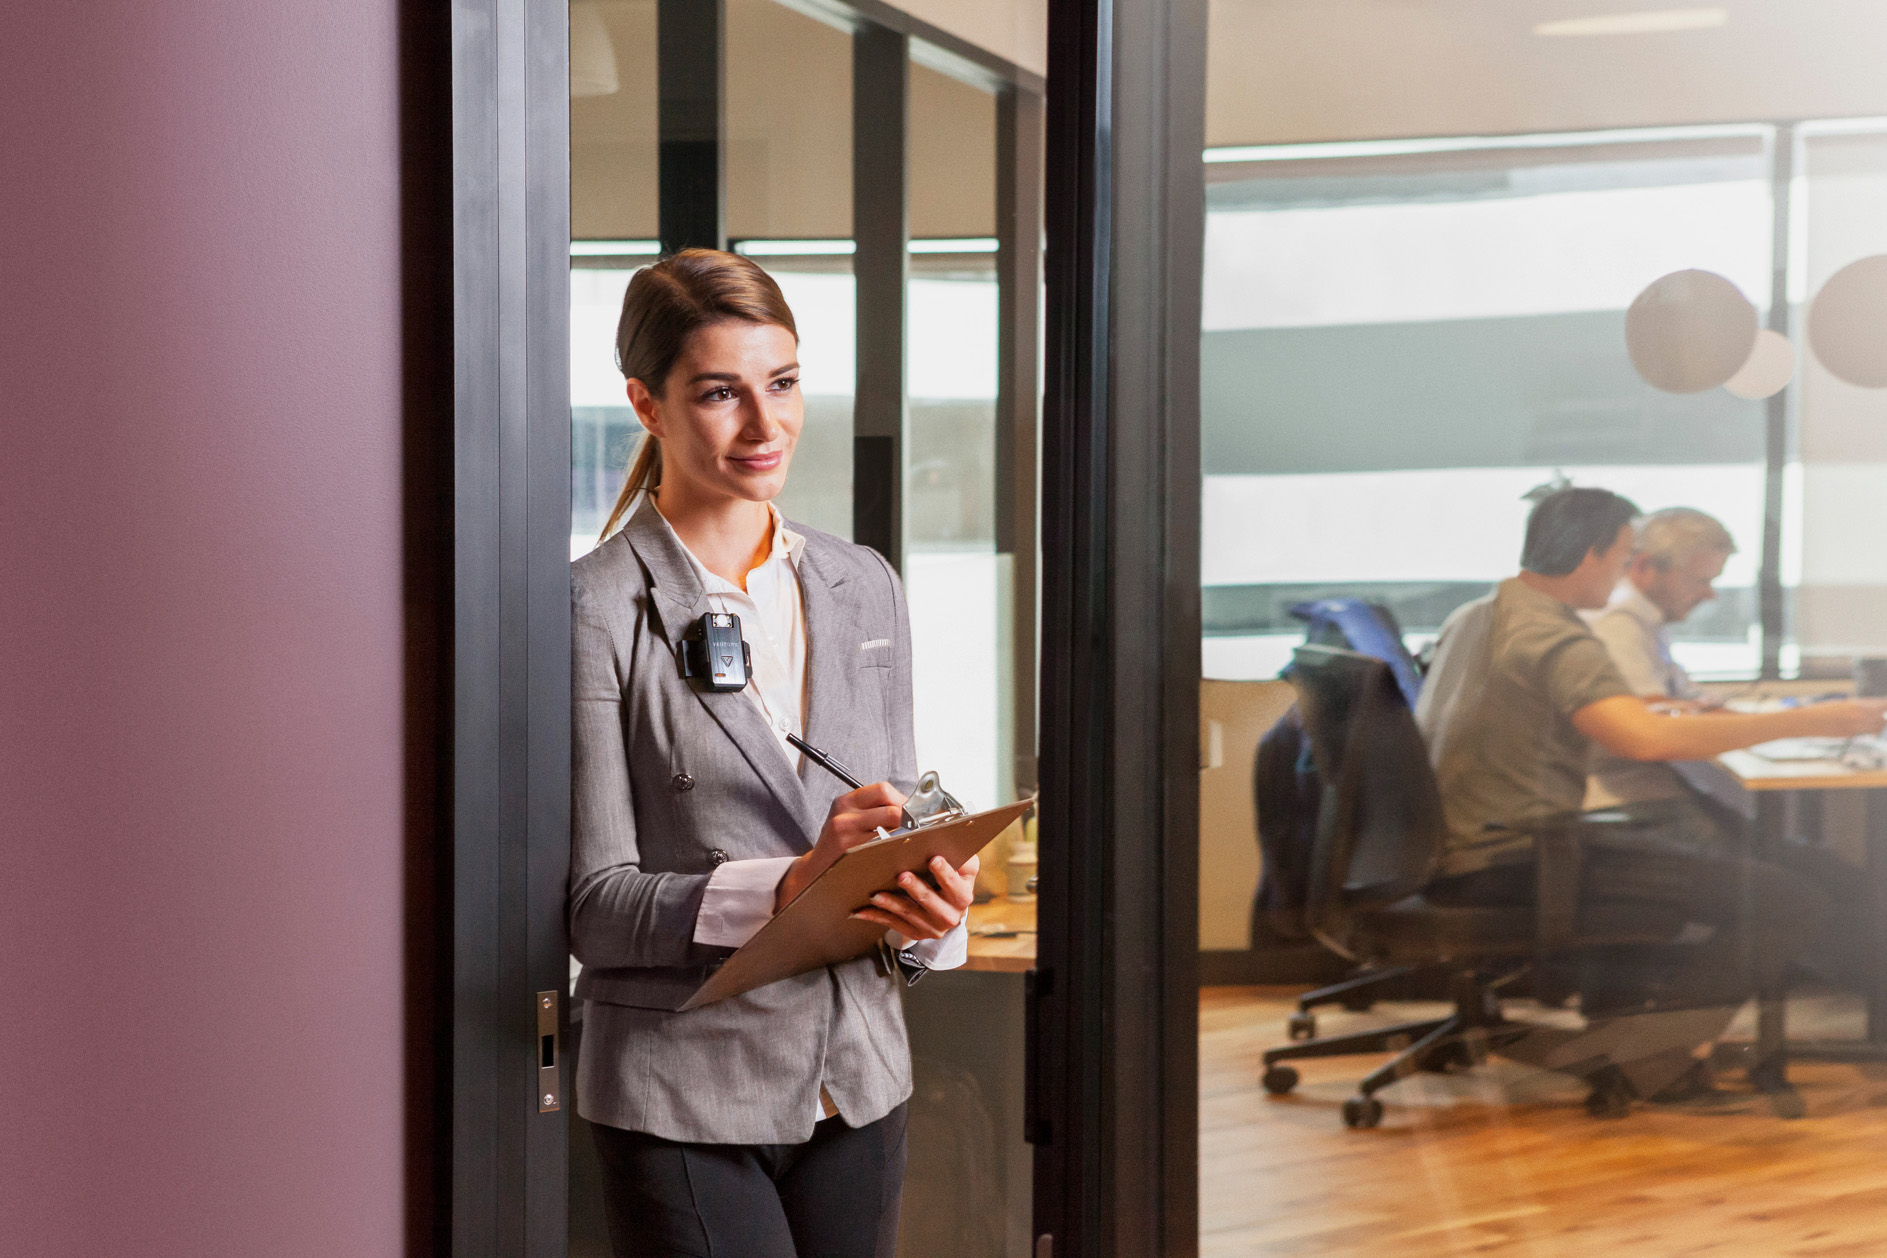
(1301,1026)
(1361,1112)
(1608,1102)
(1279,1079)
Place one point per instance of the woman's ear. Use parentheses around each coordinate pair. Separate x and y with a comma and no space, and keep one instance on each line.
(647,407)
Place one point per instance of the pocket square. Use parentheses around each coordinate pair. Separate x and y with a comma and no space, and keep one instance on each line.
(874,644)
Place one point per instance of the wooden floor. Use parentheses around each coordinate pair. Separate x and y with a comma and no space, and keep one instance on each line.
(1503,1160)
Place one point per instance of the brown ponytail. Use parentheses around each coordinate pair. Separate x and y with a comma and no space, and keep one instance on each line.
(665,305)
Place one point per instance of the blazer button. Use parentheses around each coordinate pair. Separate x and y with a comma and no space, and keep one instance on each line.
(683,782)
(717,857)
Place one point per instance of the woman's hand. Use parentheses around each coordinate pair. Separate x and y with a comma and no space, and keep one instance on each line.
(918,910)
(855,817)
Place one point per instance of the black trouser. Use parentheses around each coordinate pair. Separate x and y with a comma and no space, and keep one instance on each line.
(1838,939)
(835,1196)
(1760,917)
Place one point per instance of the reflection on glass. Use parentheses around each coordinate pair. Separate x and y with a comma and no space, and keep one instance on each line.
(1599,890)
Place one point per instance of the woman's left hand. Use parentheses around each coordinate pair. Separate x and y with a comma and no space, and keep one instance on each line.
(918,910)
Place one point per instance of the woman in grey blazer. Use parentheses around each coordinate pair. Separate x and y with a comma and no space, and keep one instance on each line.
(767,1125)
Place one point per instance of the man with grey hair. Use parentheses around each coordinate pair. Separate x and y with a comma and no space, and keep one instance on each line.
(1678,555)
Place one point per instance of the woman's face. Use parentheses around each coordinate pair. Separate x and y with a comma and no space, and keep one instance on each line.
(730,412)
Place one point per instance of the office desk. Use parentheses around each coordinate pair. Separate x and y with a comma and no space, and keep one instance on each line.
(1006,954)
(1771,782)
(967,1187)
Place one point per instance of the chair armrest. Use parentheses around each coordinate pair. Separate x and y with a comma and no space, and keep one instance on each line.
(1559,861)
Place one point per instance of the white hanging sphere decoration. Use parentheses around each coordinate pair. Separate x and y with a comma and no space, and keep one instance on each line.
(1847,324)
(1689,331)
(1770,367)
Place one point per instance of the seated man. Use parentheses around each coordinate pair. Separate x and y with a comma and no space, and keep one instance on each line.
(1678,555)
(1520,693)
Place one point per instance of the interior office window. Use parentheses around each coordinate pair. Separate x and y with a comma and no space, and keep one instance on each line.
(821,293)
(789,207)
(957,584)
(1396,348)
(603,427)
(613,222)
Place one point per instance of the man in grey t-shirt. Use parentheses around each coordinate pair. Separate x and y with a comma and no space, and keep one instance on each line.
(1520,694)
(1527,663)
(1521,691)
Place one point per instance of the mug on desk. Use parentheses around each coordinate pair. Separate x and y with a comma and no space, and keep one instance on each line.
(1021,870)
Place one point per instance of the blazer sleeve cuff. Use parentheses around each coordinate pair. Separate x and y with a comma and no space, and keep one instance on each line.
(738,900)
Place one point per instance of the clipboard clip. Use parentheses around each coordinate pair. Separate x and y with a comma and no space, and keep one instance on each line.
(930,804)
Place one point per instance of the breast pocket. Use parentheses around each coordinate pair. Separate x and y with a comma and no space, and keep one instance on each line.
(875,653)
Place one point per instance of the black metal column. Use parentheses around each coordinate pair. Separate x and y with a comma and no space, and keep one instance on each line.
(1114,1012)
(1769,595)
(1018,315)
(689,37)
(880,265)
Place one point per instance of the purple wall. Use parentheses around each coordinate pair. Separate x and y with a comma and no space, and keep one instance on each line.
(201,832)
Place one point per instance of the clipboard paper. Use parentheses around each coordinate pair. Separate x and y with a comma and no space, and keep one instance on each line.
(817,929)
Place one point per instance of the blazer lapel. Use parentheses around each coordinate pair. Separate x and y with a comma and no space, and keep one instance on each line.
(831,638)
(679,601)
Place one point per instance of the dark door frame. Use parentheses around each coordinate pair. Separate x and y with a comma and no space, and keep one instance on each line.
(509,854)
(1114,999)
(1113,1082)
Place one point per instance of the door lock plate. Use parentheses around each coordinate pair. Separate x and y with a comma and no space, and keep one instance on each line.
(549,1044)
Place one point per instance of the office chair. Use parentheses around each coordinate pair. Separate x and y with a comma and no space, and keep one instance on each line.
(1285,790)
(1379,840)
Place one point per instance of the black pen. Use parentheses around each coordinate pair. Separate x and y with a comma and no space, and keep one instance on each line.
(824,761)
(842,773)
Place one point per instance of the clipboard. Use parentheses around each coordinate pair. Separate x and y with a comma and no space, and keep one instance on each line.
(816,928)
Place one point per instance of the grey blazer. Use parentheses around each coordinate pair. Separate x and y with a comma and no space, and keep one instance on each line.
(669,780)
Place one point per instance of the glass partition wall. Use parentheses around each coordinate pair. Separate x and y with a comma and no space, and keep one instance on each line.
(790,139)
(1437,333)
(1413,343)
